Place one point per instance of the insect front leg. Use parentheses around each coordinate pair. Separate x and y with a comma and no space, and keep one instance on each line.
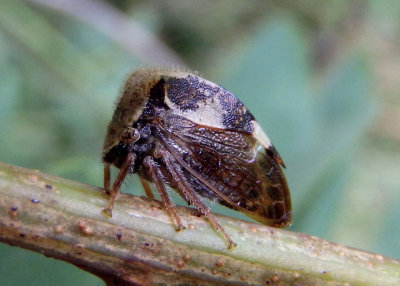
(107,178)
(190,195)
(155,175)
(130,159)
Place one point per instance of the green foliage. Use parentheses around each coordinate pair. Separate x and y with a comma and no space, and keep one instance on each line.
(60,79)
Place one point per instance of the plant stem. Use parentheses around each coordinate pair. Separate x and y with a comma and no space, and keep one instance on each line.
(139,245)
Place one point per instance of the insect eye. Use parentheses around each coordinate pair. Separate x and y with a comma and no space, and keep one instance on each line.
(130,135)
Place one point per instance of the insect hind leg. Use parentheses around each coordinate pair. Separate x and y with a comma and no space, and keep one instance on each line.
(155,175)
(190,195)
(146,188)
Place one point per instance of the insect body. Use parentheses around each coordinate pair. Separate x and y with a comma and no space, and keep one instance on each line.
(179,129)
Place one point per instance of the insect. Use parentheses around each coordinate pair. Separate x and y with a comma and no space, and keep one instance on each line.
(175,128)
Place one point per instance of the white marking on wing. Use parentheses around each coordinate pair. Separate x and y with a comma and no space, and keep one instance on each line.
(260,135)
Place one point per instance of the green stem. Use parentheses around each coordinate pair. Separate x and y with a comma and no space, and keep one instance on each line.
(139,244)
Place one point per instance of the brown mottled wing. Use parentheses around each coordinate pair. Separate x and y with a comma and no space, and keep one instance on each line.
(245,176)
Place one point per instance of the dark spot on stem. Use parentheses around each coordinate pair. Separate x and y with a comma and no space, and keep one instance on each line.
(119,235)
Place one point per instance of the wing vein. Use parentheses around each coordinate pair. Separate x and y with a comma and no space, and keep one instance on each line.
(196,174)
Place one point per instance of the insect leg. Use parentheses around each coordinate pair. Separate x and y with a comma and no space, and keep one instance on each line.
(146,188)
(107,178)
(130,159)
(149,163)
(191,196)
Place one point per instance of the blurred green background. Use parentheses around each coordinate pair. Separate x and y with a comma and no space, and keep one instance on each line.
(322,79)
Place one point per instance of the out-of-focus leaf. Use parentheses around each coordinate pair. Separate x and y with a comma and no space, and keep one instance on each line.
(387,241)
(345,106)
(40,38)
(30,140)
(346,102)
(368,215)
(9,88)
(323,203)
(86,169)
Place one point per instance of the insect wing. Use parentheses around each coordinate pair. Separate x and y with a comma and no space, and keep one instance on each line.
(231,167)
